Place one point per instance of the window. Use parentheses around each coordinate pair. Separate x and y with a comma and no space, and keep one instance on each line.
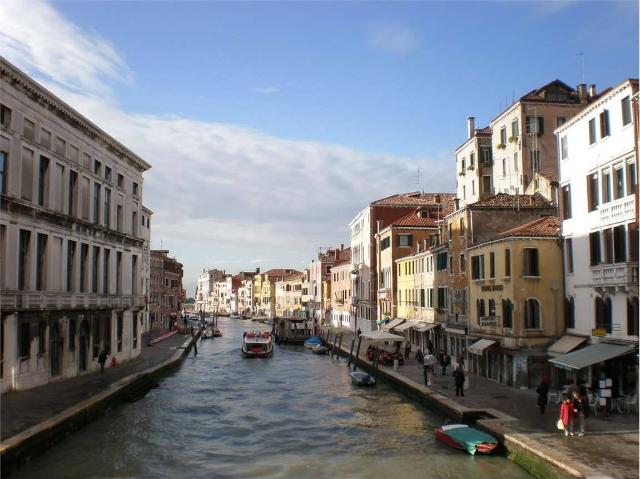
(405,240)
(96,167)
(569,313)
(568,247)
(74,154)
(119,272)
(42,338)
(441,261)
(5,116)
(535,160)
(464,192)
(492,265)
(480,309)
(85,186)
(41,262)
(634,247)
(23,259)
(442,298)
(134,274)
(385,243)
(134,332)
(531,262)
(486,184)
(24,340)
(477,267)
(43,182)
(592,131)
(119,325)
(45,138)
(485,156)
(96,203)
(606,186)
(135,188)
(492,307)
(463,165)
(515,128)
(72,201)
(564,147)
(72,334)
(107,173)
(632,179)
(507,263)
(473,187)
(535,125)
(26,190)
(472,160)
(61,147)
(592,191)
(71,266)
(94,269)
(503,135)
(507,314)
(566,202)
(3,172)
(560,120)
(532,314)
(84,265)
(107,207)
(119,218)
(120,181)
(620,244)
(515,162)
(604,124)
(603,313)
(59,188)
(106,256)
(594,248)
(618,182)
(632,316)
(504,167)
(28,129)
(626,110)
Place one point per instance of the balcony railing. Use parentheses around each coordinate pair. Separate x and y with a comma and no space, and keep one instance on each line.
(489,320)
(622,274)
(622,209)
(58,300)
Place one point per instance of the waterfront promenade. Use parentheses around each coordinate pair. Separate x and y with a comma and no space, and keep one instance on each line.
(609,448)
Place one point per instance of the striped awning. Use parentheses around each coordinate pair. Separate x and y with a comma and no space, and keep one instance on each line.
(407,325)
(565,344)
(392,324)
(423,328)
(479,346)
(596,353)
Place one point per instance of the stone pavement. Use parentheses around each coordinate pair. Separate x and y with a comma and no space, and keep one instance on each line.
(23,409)
(609,447)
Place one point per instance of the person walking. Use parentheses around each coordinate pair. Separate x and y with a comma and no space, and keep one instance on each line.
(102,358)
(543,394)
(429,362)
(458,379)
(567,415)
(579,409)
(358,333)
(419,356)
(407,350)
(441,360)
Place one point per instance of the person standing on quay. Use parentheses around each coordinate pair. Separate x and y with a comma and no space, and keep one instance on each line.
(458,378)
(102,358)
(578,411)
(567,415)
(543,394)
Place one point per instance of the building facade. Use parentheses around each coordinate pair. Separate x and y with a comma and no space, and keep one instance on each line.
(204,289)
(339,289)
(72,237)
(474,165)
(166,293)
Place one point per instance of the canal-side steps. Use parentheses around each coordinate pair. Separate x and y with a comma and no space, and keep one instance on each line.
(19,448)
(536,457)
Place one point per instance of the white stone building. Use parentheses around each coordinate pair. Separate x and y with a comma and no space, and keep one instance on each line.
(599,207)
(72,239)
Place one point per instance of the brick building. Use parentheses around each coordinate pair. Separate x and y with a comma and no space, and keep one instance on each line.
(167,295)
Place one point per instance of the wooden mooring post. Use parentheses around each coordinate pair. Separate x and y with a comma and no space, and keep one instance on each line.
(353,342)
(335,340)
(355,359)
(339,347)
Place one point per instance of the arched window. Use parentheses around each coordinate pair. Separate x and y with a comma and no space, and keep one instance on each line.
(604,313)
(569,312)
(632,316)
(532,314)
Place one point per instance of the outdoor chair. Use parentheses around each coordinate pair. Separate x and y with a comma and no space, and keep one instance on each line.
(631,403)
(594,403)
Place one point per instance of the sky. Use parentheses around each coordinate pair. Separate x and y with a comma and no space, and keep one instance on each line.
(269,125)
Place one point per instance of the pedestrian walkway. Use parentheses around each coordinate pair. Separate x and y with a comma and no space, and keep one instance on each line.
(23,409)
(610,446)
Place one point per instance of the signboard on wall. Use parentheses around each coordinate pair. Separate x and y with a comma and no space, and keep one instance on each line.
(599,332)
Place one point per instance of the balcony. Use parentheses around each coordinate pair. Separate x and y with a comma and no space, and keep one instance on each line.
(384,293)
(55,300)
(611,275)
(489,321)
(622,209)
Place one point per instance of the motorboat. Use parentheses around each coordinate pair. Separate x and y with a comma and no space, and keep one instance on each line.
(215,332)
(467,438)
(319,349)
(360,378)
(257,344)
(312,342)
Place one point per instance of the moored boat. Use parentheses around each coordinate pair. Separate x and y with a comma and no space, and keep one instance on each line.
(257,344)
(215,332)
(312,342)
(360,378)
(206,334)
(467,438)
(319,349)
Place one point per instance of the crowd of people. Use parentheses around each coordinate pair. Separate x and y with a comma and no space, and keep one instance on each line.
(430,364)
(383,356)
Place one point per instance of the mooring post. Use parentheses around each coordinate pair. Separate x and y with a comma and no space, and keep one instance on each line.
(335,340)
(339,346)
(353,342)
(355,359)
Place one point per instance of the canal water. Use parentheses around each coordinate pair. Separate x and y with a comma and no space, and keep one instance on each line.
(295,415)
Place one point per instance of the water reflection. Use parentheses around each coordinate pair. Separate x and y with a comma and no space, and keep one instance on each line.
(295,415)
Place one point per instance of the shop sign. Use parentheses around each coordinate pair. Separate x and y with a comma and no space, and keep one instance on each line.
(599,332)
(492,287)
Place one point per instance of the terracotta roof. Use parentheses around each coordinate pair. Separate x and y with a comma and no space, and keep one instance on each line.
(417,198)
(542,227)
(504,200)
(280,273)
(540,94)
(294,276)
(414,219)
(550,176)
(344,258)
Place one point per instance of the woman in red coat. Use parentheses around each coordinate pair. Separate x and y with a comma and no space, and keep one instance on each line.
(567,415)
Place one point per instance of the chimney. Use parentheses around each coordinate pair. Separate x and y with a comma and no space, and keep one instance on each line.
(258,270)
(471,126)
(378,224)
(592,91)
(425,243)
(582,91)
(418,247)
(341,246)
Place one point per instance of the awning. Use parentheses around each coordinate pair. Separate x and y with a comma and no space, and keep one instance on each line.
(392,324)
(382,336)
(423,328)
(479,346)
(455,331)
(565,344)
(407,325)
(596,353)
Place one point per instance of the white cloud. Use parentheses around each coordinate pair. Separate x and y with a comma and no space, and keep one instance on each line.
(217,190)
(269,90)
(392,38)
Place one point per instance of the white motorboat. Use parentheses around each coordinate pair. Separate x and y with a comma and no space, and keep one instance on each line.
(257,344)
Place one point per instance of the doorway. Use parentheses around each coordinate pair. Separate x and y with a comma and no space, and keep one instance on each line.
(56,342)
(83,345)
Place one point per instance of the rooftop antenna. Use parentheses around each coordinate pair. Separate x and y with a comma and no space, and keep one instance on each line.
(418,180)
(581,54)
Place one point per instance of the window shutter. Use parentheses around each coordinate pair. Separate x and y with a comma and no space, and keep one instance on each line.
(410,240)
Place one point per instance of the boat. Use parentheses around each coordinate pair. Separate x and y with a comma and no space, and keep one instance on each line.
(206,334)
(360,378)
(319,349)
(467,438)
(257,344)
(215,332)
(312,342)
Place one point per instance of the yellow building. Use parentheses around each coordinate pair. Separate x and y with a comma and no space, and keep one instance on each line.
(515,302)
(264,287)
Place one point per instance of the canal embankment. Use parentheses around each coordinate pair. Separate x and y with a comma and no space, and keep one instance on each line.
(34,420)
(608,450)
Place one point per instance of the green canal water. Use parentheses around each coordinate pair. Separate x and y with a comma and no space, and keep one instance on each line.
(295,415)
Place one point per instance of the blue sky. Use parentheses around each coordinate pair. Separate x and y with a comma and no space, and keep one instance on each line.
(270,124)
